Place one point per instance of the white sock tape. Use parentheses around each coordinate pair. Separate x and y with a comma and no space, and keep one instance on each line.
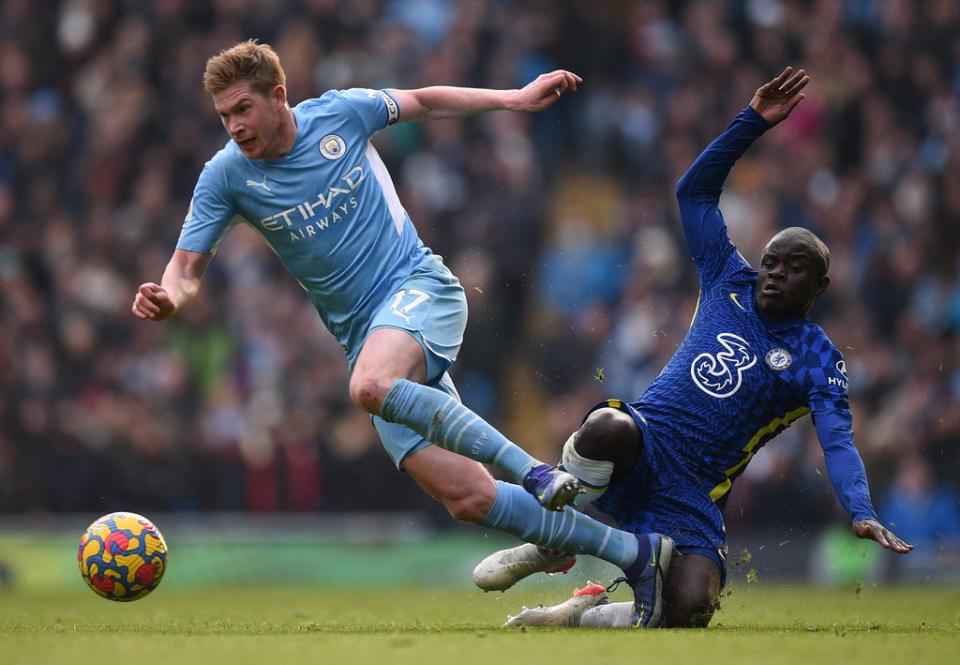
(594,474)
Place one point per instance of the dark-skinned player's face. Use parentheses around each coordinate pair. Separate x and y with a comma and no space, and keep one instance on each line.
(790,277)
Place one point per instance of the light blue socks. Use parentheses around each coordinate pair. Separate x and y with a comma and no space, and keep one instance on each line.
(442,420)
(517,512)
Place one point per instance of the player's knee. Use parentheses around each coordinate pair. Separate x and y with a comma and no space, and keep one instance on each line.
(368,392)
(691,591)
(608,434)
(692,609)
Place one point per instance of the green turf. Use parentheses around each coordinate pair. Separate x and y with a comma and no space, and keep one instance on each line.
(459,626)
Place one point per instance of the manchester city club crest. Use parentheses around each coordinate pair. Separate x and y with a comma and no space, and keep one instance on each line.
(332,146)
(779,359)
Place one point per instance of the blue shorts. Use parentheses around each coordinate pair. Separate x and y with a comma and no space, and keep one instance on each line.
(432,307)
(660,495)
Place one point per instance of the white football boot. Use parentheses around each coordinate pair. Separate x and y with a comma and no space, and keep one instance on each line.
(501,570)
(567,613)
(609,615)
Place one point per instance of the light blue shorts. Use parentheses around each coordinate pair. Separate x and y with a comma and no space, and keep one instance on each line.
(432,307)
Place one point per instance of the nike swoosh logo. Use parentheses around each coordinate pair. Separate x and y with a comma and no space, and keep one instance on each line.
(736,301)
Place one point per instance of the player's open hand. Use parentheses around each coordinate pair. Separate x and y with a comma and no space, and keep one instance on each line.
(153,303)
(776,99)
(873,530)
(543,91)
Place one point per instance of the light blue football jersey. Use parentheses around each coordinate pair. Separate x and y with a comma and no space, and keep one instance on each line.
(328,208)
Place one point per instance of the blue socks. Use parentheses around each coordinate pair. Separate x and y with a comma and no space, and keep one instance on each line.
(640,564)
(442,420)
(516,512)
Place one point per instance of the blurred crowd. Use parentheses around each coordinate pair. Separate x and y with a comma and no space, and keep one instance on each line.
(562,227)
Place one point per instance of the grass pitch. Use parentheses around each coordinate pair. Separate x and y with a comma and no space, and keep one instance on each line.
(461,626)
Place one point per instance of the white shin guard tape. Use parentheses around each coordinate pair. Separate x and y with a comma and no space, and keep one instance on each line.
(594,475)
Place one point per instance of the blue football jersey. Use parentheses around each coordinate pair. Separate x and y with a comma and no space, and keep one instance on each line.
(737,379)
(328,208)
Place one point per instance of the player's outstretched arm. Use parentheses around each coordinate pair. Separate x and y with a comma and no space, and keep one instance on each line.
(845,468)
(873,530)
(776,99)
(453,102)
(179,285)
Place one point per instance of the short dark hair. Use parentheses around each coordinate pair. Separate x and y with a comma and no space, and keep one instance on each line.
(817,249)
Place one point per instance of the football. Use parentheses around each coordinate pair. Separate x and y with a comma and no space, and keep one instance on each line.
(122,556)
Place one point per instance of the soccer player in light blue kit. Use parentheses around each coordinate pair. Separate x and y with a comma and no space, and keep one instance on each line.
(751,364)
(310,183)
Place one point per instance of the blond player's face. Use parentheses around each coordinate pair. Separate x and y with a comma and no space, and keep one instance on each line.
(251,118)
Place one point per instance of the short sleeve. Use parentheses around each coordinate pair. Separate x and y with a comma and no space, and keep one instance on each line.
(209,214)
(375,108)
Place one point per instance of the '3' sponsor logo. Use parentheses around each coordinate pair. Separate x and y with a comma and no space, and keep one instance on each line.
(720,374)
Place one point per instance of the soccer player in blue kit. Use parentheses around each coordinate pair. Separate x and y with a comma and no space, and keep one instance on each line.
(751,364)
(309,182)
